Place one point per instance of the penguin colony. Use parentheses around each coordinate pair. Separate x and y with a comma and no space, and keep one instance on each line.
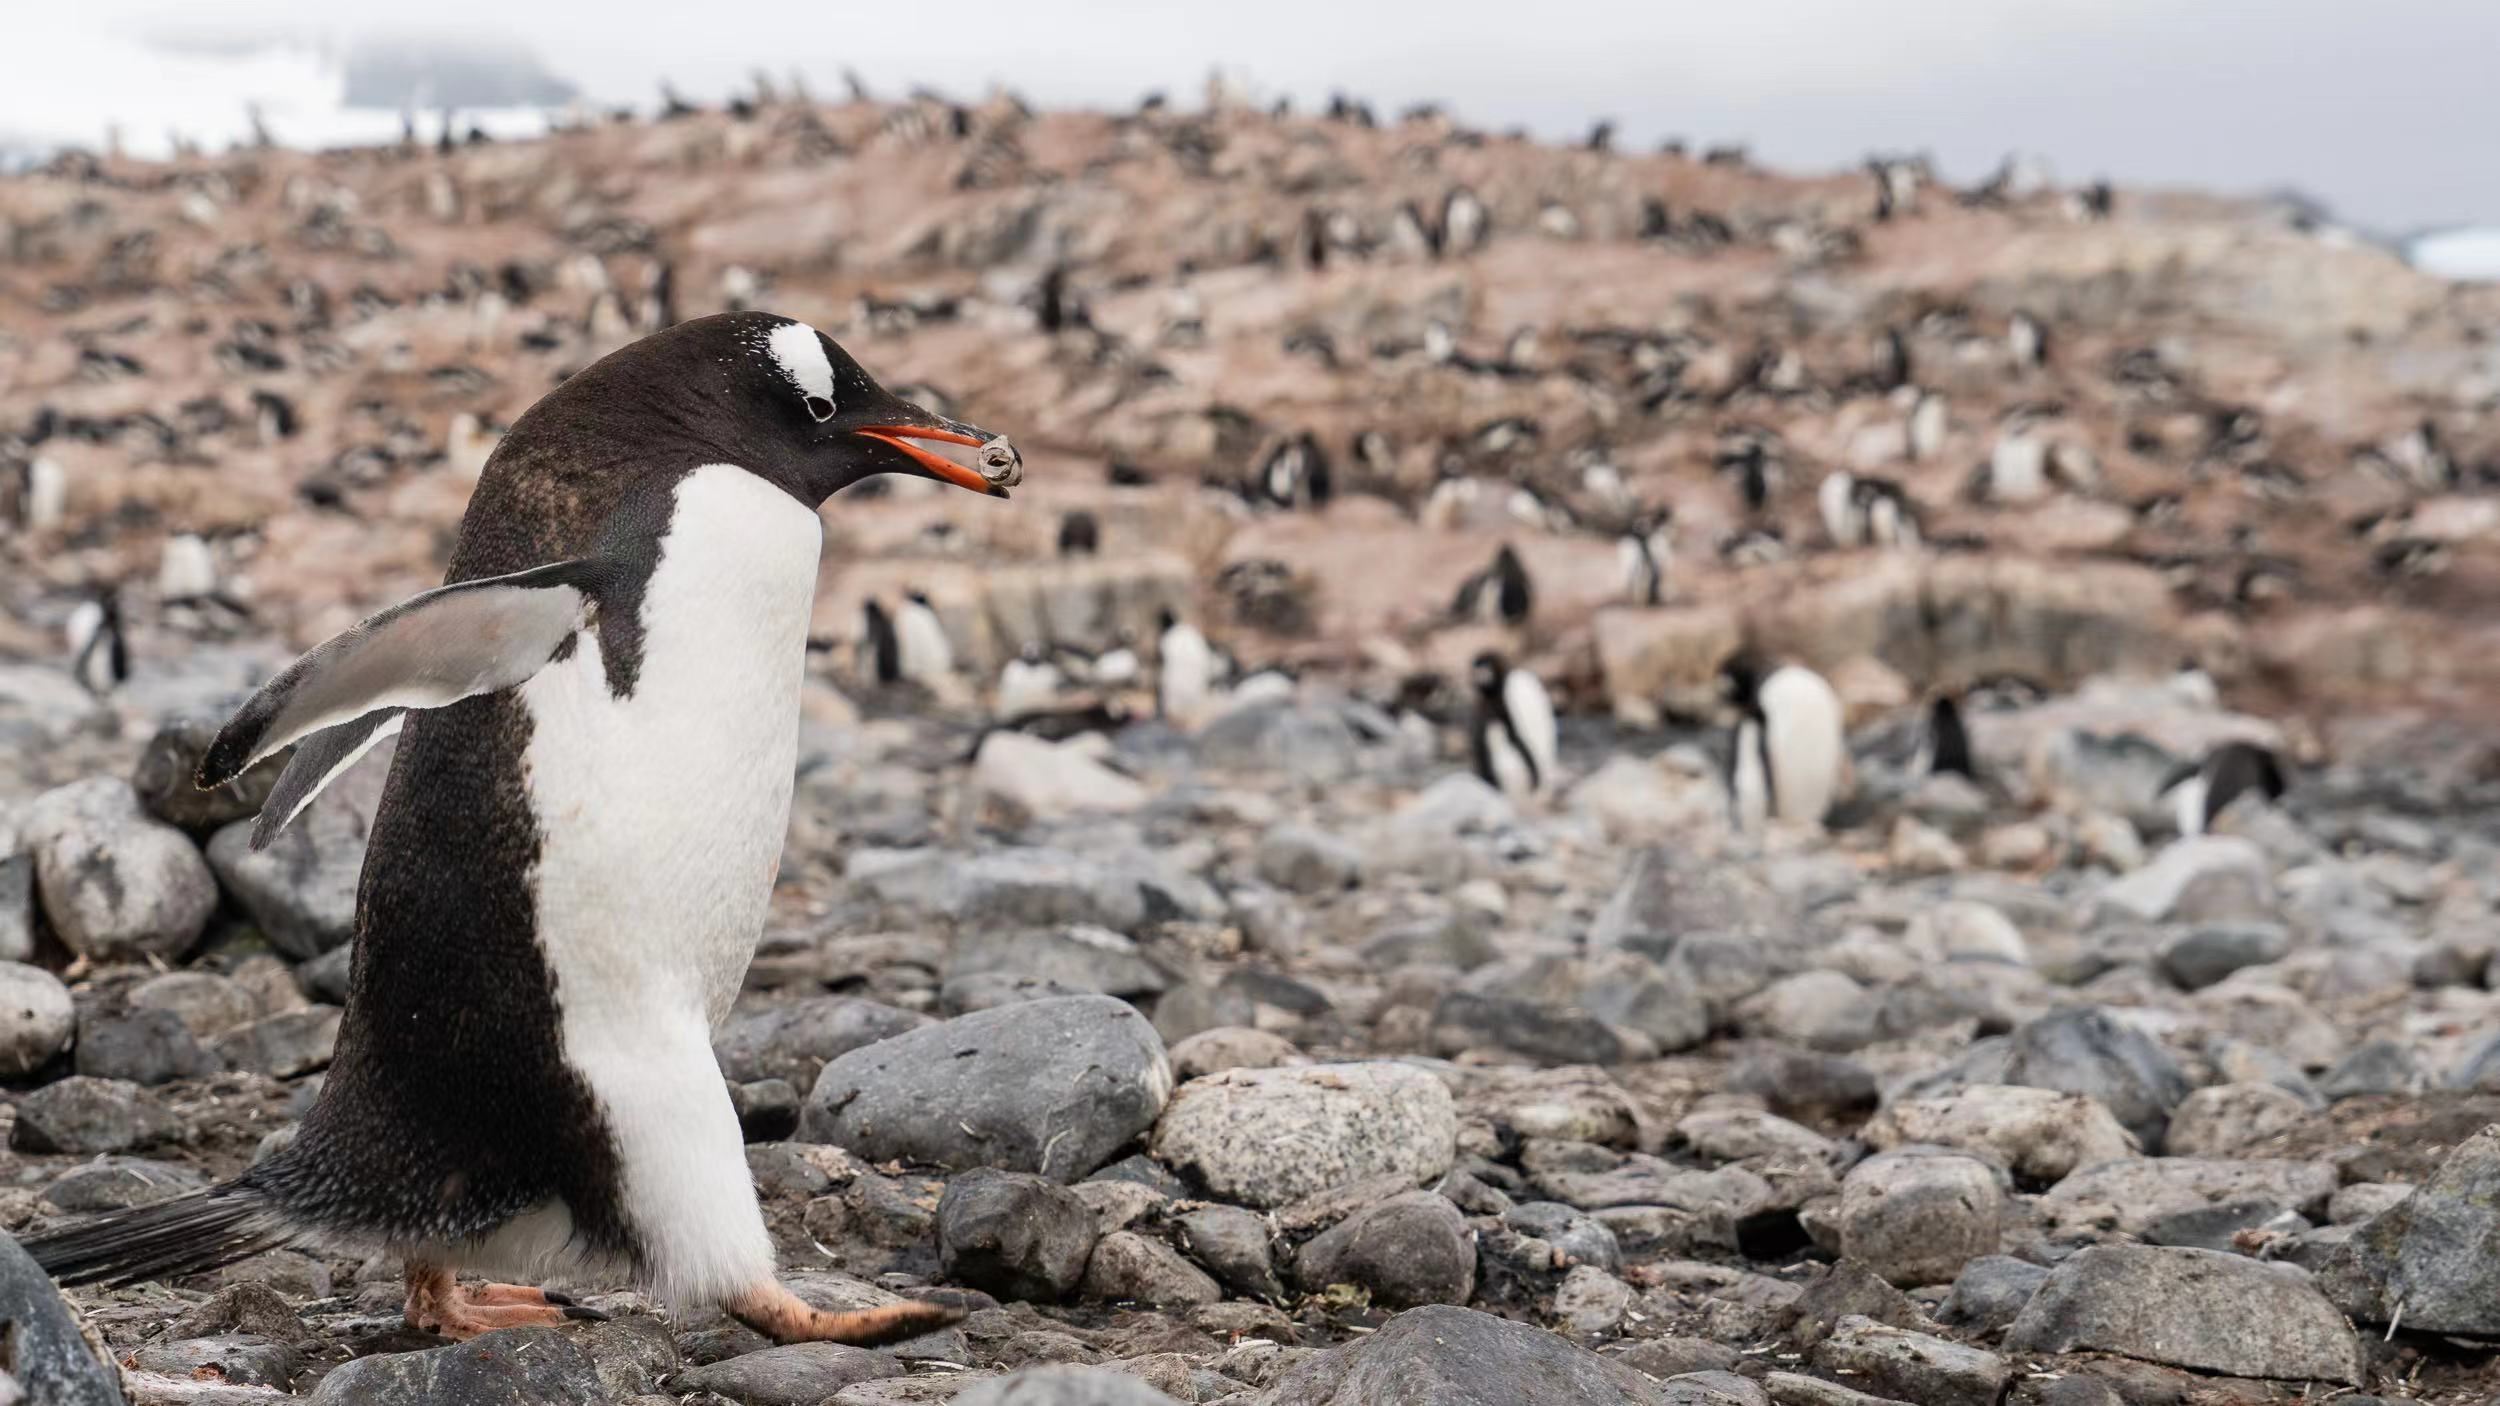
(1726,441)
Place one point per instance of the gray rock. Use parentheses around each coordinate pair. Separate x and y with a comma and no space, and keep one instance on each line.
(2207,1312)
(209,1004)
(1009,888)
(85,1116)
(37,1019)
(1300,859)
(2209,876)
(1463,1020)
(1230,1047)
(17,907)
(1664,897)
(1590,1301)
(1305,743)
(1789,1080)
(1990,1293)
(2204,955)
(283,1046)
(2364,1201)
(239,1359)
(2085,1050)
(2379,1067)
(1055,1087)
(165,777)
(1912,1366)
(1917,1217)
(1447,1356)
(511,1367)
(1013,1235)
(1793,1389)
(1634,993)
(1575,1238)
(792,1040)
(1458,940)
(2434,1257)
(115,883)
(2220,1119)
(1820,1009)
(1062,1385)
(1675,1356)
(1078,957)
(2131,1193)
(1127,1267)
(2040,1135)
(1412,1249)
(145,1046)
(1233,1245)
(1263,1137)
(49,1358)
(2219,1226)
(796,1374)
(1845,1291)
(119,1183)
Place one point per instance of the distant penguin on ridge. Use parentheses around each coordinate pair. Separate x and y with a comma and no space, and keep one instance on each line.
(1514,728)
(1184,670)
(99,656)
(1499,593)
(2198,792)
(925,653)
(1791,760)
(1643,556)
(1028,683)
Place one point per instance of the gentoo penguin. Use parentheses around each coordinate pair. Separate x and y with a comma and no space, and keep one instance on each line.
(1079,533)
(43,494)
(923,653)
(1791,759)
(186,570)
(1028,683)
(2200,791)
(1643,555)
(1464,222)
(1500,592)
(1185,668)
(1514,740)
(2027,341)
(1859,511)
(1925,436)
(1948,743)
(598,728)
(99,657)
(881,655)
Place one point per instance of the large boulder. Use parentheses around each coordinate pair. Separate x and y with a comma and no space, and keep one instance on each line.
(1410,1249)
(2084,1050)
(2039,1134)
(116,883)
(2434,1257)
(37,1019)
(2199,1309)
(510,1367)
(49,1359)
(1917,1216)
(1014,1235)
(1055,1086)
(1263,1137)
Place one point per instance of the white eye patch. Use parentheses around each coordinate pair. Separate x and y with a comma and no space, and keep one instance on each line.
(800,354)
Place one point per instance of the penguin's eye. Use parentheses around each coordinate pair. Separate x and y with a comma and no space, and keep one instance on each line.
(820,407)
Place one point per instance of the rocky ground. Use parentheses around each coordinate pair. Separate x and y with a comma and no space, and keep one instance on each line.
(1283,1061)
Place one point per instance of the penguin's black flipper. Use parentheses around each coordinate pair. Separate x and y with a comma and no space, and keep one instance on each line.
(186,1235)
(428,651)
(319,760)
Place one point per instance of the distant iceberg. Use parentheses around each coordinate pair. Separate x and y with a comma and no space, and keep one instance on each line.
(2469,252)
(103,92)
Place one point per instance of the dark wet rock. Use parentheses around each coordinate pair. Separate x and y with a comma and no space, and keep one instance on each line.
(1053,1086)
(1449,1356)
(512,1367)
(85,1116)
(2085,1050)
(49,1358)
(2204,955)
(1263,1137)
(1412,1249)
(792,1040)
(768,1109)
(1013,1235)
(1465,1021)
(1990,1293)
(145,1046)
(2196,1309)
(1233,1246)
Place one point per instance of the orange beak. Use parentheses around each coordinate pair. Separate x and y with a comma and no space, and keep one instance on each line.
(1001,468)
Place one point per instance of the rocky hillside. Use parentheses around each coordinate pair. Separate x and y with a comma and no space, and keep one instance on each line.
(1389,1087)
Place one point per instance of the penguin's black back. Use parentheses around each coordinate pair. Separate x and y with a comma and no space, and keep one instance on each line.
(2237,769)
(1948,745)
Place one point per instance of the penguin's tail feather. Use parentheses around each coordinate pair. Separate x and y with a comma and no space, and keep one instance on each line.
(189,1234)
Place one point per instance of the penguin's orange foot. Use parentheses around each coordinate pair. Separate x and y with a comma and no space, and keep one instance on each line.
(786,1318)
(438,1304)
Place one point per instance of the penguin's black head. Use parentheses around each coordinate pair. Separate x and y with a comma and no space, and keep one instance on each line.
(797,410)
(1740,679)
(1487,674)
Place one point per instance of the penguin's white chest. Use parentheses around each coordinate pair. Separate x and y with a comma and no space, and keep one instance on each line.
(662,813)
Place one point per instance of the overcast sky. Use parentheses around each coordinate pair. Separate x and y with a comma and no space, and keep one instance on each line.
(2384,108)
